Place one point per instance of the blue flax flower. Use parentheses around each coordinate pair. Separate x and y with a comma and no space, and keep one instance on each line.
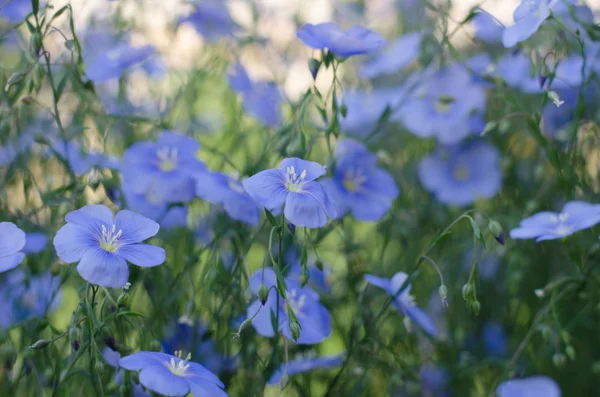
(546,225)
(12,241)
(16,10)
(79,160)
(460,175)
(303,365)
(534,386)
(435,381)
(212,20)
(317,279)
(487,28)
(529,16)
(442,105)
(219,188)
(293,184)
(261,99)
(358,185)
(102,243)
(314,319)
(111,357)
(495,341)
(403,302)
(356,40)
(398,55)
(35,242)
(366,108)
(173,376)
(165,168)
(150,205)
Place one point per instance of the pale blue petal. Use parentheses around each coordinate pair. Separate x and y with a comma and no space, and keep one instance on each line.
(256,280)
(534,386)
(313,170)
(135,227)
(307,209)
(315,323)
(262,321)
(91,217)
(72,242)
(35,242)
(200,374)
(205,389)
(11,261)
(337,195)
(267,188)
(103,268)
(143,359)
(523,29)
(380,282)
(303,365)
(421,319)
(159,379)
(368,207)
(12,239)
(242,208)
(144,255)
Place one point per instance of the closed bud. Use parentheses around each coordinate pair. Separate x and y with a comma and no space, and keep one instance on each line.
(344,110)
(559,360)
(291,228)
(122,300)
(294,329)
(155,346)
(313,66)
(27,100)
(303,279)
(74,334)
(467,291)
(14,79)
(546,332)
(570,352)
(40,344)
(496,231)
(263,294)
(475,307)
(35,42)
(443,292)
(99,366)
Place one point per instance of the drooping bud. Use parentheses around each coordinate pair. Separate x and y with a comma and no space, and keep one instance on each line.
(343,110)
(467,291)
(14,79)
(542,80)
(263,294)
(40,344)
(35,42)
(475,307)
(27,100)
(496,229)
(291,228)
(570,352)
(313,66)
(443,294)
(559,360)
(294,329)
(99,366)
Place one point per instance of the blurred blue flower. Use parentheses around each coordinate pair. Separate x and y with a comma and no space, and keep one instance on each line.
(314,319)
(15,11)
(12,241)
(403,302)
(293,184)
(111,357)
(460,175)
(12,149)
(398,55)
(212,20)
(302,365)
(173,376)
(546,225)
(528,16)
(317,279)
(366,108)
(35,242)
(356,40)
(195,338)
(487,28)
(442,105)
(165,168)
(150,206)
(101,244)
(435,381)
(534,386)
(218,188)
(79,160)
(261,99)
(495,341)
(358,185)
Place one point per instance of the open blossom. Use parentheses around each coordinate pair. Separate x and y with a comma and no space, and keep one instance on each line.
(546,225)
(356,40)
(293,185)
(534,386)
(314,319)
(212,20)
(303,365)
(218,188)
(102,244)
(12,241)
(487,28)
(165,168)
(358,185)
(460,175)
(403,302)
(398,55)
(173,375)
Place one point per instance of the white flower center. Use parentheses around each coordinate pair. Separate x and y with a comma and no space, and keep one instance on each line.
(354,179)
(179,366)
(109,241)
(294,182)
(296,301)
(236,186)
(167,158)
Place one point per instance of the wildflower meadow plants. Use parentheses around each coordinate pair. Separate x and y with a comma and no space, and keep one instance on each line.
(262,198)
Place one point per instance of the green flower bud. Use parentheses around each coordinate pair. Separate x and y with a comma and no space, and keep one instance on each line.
(40,344)
(122,300)
(496,231)
(475,307)
(295,329)
(99,366)
(263,294)
(559,360)
(313,66)
(570,352)
(467,291)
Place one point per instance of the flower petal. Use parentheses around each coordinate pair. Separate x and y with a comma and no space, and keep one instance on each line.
(198,373)
(12,239)
(262,320)
(267,188)
(378,281)
(159,379)
(11,261)
(256,280)
(135,227)
(313,170)
(35,242)
(421,319)
(143,359)
(206,389)
(72,242)
(309,207)
(144,255)
(91,217)
(103,268)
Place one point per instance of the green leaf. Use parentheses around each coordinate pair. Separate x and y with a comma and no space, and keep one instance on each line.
(476,229)
(35,4)
(61,86)
(271,218)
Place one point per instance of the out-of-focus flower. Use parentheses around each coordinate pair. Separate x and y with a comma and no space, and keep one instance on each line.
(79,160)
(16,10)
(12,241)
(398,55)
(356,40)
(101,244)
(303,365)
(35,242)
(10,151)
(111,357)
(358,185)
(494,339)
(487,28)
(460,175)
(261,99)
(173,376)
(434,381)
(404,302)
(528,16)
(534,386)
(193,338)
(212,20)
(152,207)
(219,188)
(365,110)
(294,185)
(314,319)
(165,168)
(546,225)
(442,105)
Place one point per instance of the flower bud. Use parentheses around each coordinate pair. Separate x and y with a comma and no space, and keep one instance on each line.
(14,79)
(35,42)
(294,329)
(559,360)
(40,344)
(570,352)
(291,228)
(263,294)
(443,292)
(546,332)
(122,300)
(496,230)
(475,307)
(313,66)
(99,366)
(303,279)
(343,110)
(467,291)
